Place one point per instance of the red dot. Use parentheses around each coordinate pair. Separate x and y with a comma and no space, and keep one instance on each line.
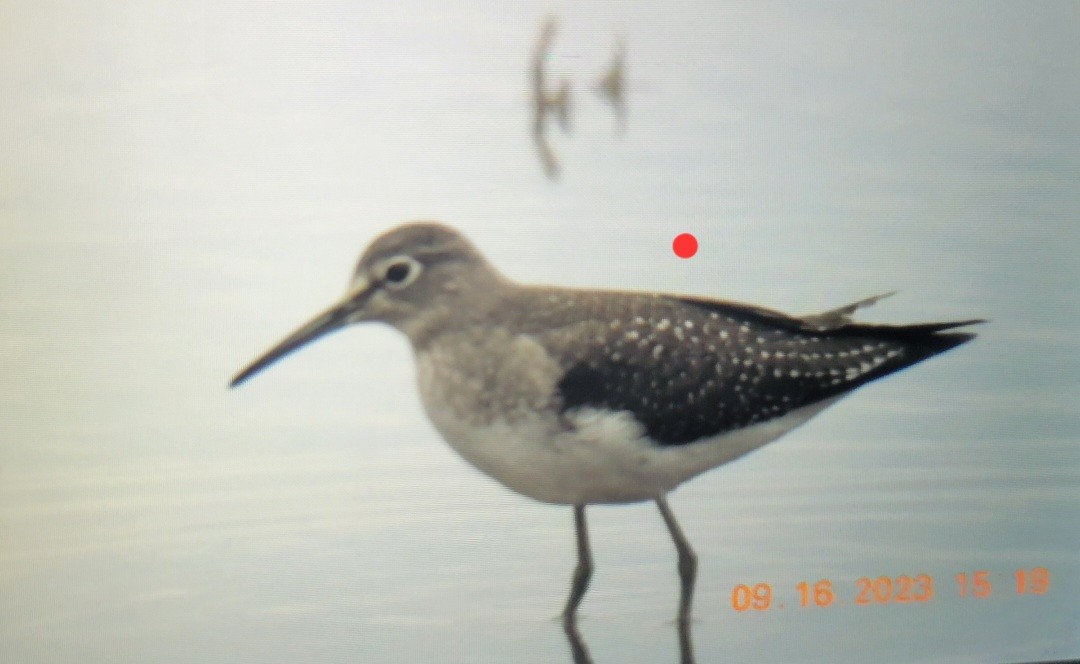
(685,245)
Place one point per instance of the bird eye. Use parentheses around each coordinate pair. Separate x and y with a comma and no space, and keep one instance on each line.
(401,271)
(397,272)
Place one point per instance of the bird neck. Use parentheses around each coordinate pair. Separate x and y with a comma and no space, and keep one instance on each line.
(467,301)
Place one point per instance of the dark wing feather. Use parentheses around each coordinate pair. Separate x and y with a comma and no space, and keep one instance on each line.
(694,368)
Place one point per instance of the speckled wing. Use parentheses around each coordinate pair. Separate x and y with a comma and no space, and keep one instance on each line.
(689,369)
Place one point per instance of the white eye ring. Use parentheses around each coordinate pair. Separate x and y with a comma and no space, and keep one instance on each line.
(400,271)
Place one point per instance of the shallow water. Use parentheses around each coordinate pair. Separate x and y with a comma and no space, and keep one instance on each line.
(184,183)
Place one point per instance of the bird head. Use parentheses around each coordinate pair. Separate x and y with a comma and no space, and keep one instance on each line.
(411,277)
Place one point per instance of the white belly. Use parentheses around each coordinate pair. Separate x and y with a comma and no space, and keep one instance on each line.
(601,457)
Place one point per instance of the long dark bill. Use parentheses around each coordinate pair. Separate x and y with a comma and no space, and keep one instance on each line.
(332,319)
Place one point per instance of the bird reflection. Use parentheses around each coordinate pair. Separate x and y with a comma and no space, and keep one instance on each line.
(612,85)
(545,102)
(580,652)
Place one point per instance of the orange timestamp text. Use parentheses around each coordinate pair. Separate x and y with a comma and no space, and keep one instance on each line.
(882,590)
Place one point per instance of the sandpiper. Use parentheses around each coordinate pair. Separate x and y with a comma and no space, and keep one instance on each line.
(580,397)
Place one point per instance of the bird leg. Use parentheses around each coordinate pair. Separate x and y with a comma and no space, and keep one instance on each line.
(687,560)
(579,583)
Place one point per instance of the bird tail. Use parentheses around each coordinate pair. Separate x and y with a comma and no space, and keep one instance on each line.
(928,339)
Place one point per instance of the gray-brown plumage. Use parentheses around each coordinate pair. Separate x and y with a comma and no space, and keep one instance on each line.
(582,396)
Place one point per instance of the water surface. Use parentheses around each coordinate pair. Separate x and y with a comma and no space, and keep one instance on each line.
(183,183)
